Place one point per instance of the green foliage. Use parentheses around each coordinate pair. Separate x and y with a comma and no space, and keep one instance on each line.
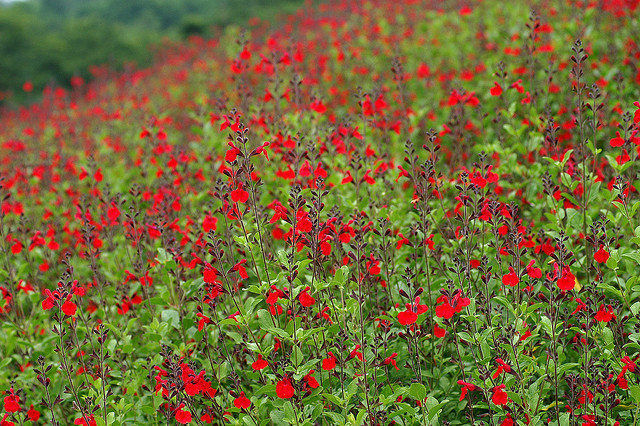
(47,42)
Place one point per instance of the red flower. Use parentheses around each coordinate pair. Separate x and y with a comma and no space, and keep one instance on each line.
(239,267)
(508,421)
(356,353)
(183,416)
(445,310)
(533,272)
(629,365)
(203,320)
(306,299)
(329,364)
(496,90)
(391,360)
(601,256)
(284,389)
(5,422)
(466,387)
(50,301)
(502,367)
(403,240)
(242,401)
(407,317)
(69,308)
(209,223)
(259,364)
(510,279)
(311,381)
(210,274)
(568,281)
(499,397)
(439,332)
(581,306)
(82,422)
(239,195)
(33,414)
(605,314)
(617,141)
(12,402)
(113,213)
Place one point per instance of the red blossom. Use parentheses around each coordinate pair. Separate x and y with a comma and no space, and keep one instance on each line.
(567,281)
(502,367)
(407,317)
(306,299)
(12,402)
(259,363)
(533,272)
(617,141)
(284,389)
(203,320)
(499,396)
(356,354)
(391,360)
(82,422)
(242,401)
(511,279)
(311,380)
(329,364)
(466,387)
(605,313)
(183,416)
(601,256)
(239,195)
(496,90)
(33,414)
(439,332)
(69,308)
(239,267)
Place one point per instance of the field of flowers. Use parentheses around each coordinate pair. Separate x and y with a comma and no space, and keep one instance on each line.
(398,213)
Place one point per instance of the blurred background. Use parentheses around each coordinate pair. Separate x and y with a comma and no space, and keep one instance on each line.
(48,42)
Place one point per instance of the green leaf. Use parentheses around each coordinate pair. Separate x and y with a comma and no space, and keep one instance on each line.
(608,336)
(289,413)
(465,336)
(418,391)
(333,399)
(634,390)
(277,416)
(515,397)
(434,407)
(338,419)
(171,317)
(269,390)
(148,409)
(163,256)
(633,255)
